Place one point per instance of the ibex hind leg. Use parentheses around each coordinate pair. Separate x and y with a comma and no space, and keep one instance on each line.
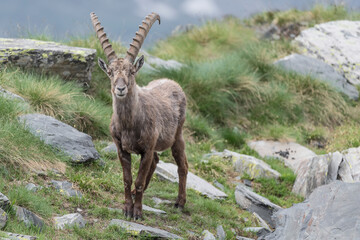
(178,152)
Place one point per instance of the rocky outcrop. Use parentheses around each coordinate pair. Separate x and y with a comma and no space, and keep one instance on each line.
(77,145)
(331,212)
(168,171)
(141,230)
(316,68)
(245,164)
(65,61)
(336,43)
(253,202)
(69,220)
(292,153)
(66,188)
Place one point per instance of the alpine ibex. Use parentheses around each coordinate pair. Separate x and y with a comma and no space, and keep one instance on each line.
(145,119)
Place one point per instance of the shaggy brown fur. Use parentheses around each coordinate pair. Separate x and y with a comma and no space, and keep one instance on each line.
(145,119)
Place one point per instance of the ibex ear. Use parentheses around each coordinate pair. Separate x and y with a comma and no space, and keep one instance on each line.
(139,63)
(102,65)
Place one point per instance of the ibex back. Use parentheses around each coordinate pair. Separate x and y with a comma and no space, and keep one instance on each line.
(145,119)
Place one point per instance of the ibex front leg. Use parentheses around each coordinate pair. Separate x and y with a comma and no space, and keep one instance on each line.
(145,164)
(125,159)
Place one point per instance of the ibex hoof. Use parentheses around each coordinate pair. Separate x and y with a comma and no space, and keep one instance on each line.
(137,214)
(128,211)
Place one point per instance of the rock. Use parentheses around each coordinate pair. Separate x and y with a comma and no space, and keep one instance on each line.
(208,235)
(331,212)
(32,187)
(312,175)
(3,218)
(141,230)
(66,188)
(4,201)
(350,166)
(253,202)
(261,221)
(110,149)
(220,233)
(180,29)
(260,231)
(335,43)
(252,166)
(243,238)
(9,95)
(15,236)
(292,153)
(318,69)
(28,217)
(168,171)
(153,210)
(219,185)
(50,57)
(271,32)
(69,220)
(156,63)
(247,183)
(159,201)
(77,145)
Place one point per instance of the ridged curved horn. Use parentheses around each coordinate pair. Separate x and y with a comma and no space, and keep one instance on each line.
(140,36)
(104,41)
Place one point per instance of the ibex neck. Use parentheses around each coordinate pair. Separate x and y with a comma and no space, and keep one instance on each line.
(125,109)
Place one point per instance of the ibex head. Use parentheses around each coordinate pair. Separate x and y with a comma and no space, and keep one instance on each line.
(122,71)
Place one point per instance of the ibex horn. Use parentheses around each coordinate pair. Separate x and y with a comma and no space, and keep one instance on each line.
(104,41)
(140,36)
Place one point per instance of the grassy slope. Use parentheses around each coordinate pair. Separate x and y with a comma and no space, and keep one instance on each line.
(235,94)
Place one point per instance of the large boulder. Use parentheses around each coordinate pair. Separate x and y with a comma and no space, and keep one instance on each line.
(318,69)
(292,153)
(68,62)
(77,145)
(331,212)
(244,164)
(142,230)
(336,43)
(168,171)
(253,202)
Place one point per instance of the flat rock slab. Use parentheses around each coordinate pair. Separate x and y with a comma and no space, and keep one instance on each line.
(66,188)
(3,218)
(28,217)
(77,145)
(168,171)
(68,62)
(316,68)
(336,43)
(4,201)
(292,153)
(69,220)
(15,236)
(253,202)
(245,164)
(138,229)
(331,212)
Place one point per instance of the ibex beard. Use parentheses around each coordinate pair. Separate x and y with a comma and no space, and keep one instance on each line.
(145,120)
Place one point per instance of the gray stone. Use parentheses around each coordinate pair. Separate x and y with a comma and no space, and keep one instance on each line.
(69,220)
(77,145)
(15,236)
(3,218)
(140,230)
(9,95)
(219,185)
(261,221)
(4,201)
(260,231)
(208,235)
(32,187)
(168,171)
(336,43)
(111,148)
(66,188)
(334,165)
(144,208)
(28,217)
(156,63)
(243,238)
(318,69)
(312,175)
(220,233)
(253,202)
(50,57)
(331,212)
(292,153)
(349,170)
(159,201)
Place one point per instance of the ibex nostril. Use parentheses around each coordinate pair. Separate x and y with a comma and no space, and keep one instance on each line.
(121,89)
